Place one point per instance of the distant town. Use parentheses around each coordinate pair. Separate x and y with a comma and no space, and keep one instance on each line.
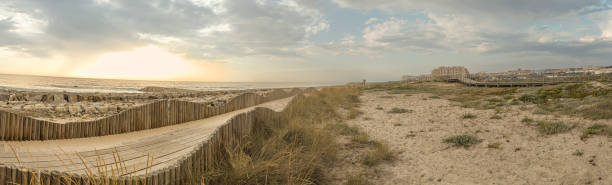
(517,74)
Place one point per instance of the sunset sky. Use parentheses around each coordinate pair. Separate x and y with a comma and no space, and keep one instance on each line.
(297,40)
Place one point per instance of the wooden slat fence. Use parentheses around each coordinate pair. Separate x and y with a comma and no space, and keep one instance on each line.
(15,127)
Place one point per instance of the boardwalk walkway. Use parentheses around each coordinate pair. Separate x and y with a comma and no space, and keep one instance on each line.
(141,152)
(470,82)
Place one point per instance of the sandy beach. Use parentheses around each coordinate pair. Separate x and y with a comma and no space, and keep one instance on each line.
(511,151)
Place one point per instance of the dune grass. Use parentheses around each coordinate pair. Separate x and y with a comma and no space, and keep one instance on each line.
(293,149)
(380,153)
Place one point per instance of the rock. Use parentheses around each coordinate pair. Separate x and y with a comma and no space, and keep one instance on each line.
(74,109)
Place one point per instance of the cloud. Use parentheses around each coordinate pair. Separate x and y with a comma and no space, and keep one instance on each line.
(371,20)
(196,28)
(520,10)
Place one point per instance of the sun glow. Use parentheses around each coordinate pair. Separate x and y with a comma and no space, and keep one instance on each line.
(145,63)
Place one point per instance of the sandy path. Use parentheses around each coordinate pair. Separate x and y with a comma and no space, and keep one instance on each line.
(164,146)
(524,157)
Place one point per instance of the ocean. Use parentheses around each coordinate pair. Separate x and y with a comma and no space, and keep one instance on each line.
(88,85)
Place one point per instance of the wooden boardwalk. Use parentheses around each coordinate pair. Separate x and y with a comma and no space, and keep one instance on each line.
(141,152)
(474,83)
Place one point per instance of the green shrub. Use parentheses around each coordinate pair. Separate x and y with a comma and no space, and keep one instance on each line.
(596,129)
(462,140)
(527,120)
(469,116)
(528,98)
(400,111)
(549,128)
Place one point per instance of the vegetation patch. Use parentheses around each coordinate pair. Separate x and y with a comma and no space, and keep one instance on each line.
(400,111)
(359,179)
(468,116)
(550,128)
(578,153)
(381,153)
(293,148)
(462,140)
(362,140)
(527,120)
(354,113)
(343,129)
(596,129)
(496,117)
(601,110)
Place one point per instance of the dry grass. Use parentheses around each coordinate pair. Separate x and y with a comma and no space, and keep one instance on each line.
(294,149)
(495,145)
(381,153)
(495,117)
(99,174)
(359,179)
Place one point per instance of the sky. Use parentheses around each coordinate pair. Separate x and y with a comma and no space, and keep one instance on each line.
(297,40)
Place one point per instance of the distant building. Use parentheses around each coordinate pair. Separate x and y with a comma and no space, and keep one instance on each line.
(450,72)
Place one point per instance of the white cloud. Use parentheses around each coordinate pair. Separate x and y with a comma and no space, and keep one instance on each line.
(606,26)
(210,30)
(371,20)
(158,38)
(372,34)
(216,5)
(23,23)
